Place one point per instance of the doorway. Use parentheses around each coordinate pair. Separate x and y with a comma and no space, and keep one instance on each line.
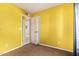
(30,30)
(25,30)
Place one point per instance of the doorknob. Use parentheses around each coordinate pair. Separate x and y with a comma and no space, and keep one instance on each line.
(36,31)
(26,27)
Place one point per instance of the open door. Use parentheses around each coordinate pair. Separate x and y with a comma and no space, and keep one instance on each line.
(25,29)
(35,33)
(76,39)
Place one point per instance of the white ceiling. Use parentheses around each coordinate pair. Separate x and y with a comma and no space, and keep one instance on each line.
(35,7)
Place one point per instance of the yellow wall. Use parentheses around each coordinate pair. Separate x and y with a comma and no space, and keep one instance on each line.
(10,27)
(56,26)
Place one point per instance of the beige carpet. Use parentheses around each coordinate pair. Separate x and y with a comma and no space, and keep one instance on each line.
(37,50)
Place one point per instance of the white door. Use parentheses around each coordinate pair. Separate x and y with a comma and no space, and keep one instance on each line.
(25,30)
(35,37)
(77,25)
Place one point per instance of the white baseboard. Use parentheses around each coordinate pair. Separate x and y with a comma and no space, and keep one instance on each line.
(40,44)
(12,49)
(56,47)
